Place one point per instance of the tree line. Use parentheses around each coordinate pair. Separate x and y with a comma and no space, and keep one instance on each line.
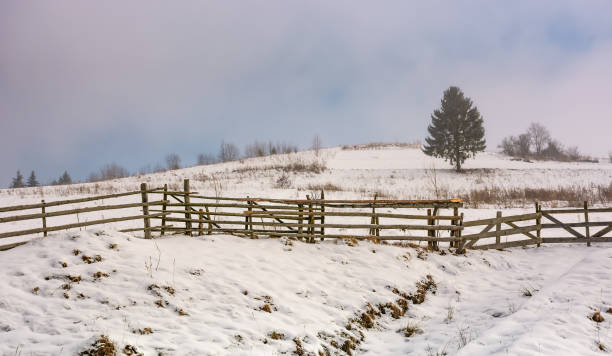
(227,152)
(32,181)
(537,143)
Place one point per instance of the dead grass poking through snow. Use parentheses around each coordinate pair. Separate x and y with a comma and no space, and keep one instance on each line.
(103,346)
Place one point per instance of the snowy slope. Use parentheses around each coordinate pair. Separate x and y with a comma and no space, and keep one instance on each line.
(222,283)
(313,291)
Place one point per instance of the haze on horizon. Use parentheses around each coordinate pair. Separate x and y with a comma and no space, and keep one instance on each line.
(83,84)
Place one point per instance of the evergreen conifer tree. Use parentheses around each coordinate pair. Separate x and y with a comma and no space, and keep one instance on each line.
(65,178)
(18,181)
(32,181)
(456,132)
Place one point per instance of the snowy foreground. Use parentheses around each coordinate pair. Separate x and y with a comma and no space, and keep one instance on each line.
(224,295)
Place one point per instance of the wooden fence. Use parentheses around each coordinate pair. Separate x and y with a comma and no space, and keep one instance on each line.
(165,212)
(531,226)
(311,218)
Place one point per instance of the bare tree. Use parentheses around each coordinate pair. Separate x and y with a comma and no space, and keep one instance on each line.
(573,153)
(317,144)
(173,161)
(206,159)
(523,145)
(540,137)
(509,146)
(109,171)
(228,152)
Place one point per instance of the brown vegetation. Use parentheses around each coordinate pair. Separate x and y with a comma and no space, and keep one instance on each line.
(103,346)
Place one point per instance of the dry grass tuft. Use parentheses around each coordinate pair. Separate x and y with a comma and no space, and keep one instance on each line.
(145,331)
(299,349)
(328,187)
(266,308)
(411,328)
(181,312)
(103,346)
(347,347)
(276,336)
(99,275)
(35,290)
(131,350)
(597,317)
(89,260)
(63,264)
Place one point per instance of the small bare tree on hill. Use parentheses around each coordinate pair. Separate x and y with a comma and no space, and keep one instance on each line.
(173,161)
(228,152)
(317,144)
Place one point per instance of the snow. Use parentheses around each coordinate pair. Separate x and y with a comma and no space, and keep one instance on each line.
(313,290)
(221,282)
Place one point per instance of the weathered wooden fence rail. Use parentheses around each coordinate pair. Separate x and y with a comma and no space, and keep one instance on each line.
(165,212)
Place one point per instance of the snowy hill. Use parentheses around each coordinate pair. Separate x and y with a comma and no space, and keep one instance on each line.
(224,295)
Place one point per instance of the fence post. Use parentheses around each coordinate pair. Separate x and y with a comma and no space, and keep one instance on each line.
(538,208)
(300,221)
(145,210)
(373,219)
(461,243)
(586,220)
(434,221)
(497,230)
(250,218)
(454,223)
(209,221)
(187,207)
(322,215)
(429,231)
(310,221)
(201,223)
(246,218)
(44,219)
(164,207)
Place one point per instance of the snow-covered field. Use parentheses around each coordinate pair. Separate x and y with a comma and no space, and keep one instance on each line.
(224,295)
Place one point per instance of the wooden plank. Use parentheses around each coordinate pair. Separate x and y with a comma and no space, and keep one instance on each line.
(266,210)
(13,245)
(495,221)
(338,201)
(562,225)
(71,201)
(576,211)
(575,240)
(508,232)
(580,224)
(528,234)
(338,226)
(505,244)
(602,232)
(471,243)
(70,226)
(74,211)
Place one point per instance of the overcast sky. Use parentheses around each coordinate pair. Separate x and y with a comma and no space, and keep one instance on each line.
(85,83)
